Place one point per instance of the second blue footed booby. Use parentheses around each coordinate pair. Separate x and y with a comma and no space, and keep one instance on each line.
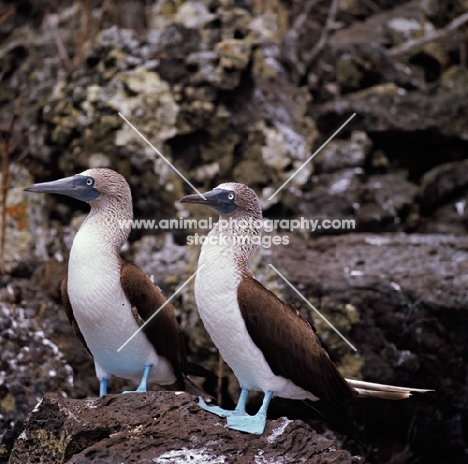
(270,347)
(106,299)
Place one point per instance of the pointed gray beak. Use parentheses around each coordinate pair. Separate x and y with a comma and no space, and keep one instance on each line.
(219,199)
(196,198)
(79,187)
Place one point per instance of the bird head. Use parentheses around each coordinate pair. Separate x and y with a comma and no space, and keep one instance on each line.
(230,200)
(91,186)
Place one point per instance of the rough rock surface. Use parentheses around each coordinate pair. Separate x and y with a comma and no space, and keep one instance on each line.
(399,299)
(159,427)
(246,91)
(409,293)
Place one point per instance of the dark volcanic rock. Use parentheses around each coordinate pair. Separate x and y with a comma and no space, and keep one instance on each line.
(381,28)
(442,184)
(443,198)
(159,427)
(409,292)
(245,91)
(30,363)
(374,203)
(387,107)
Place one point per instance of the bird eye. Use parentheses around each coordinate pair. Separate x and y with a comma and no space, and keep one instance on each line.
(89,181)
(231,196)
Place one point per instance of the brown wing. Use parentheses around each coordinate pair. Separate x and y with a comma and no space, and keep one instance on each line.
(163,331)
(289,343)
(70,315)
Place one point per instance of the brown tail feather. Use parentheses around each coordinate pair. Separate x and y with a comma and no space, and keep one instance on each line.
(387,392)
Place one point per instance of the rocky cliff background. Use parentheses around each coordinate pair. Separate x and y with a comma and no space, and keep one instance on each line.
(246,91)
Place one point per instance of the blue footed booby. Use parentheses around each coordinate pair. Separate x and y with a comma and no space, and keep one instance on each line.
(270,347)
(107,300)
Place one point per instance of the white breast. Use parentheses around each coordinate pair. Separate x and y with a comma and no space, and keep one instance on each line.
(104,315)
(216,296)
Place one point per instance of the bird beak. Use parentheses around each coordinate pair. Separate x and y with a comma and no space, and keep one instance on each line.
(216,198)
(210,197)
(73,186)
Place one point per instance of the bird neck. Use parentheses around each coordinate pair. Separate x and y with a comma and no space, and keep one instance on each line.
(235,236)
(108,224)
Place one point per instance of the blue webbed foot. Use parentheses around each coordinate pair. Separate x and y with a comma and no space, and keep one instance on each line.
(250,424)
(239,411)
(215,409)
(144,379)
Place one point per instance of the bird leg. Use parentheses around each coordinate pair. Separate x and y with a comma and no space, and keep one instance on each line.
(144,379)
(252,424)
(238,411)
(103,386)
